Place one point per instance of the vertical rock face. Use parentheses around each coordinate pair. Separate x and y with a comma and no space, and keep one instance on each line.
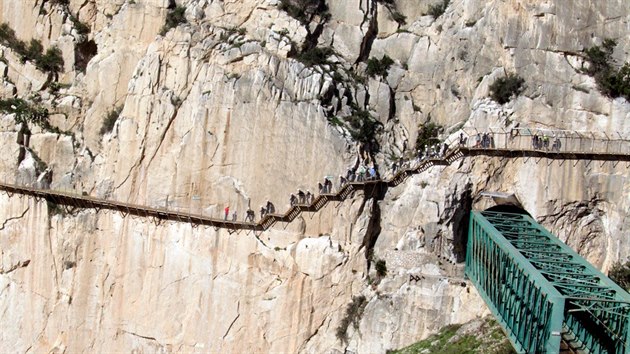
(242,103)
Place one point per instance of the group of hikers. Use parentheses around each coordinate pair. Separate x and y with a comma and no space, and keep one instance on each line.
(437,150)
(360,174)
(250,215)
(483,140)
(367,172)
(542,142)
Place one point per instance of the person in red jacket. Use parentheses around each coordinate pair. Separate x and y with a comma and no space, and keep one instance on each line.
(227,212)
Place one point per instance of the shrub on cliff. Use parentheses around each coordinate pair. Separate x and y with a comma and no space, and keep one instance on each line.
(363,127)
(354,311)
(611,81)
(378,67)
(427,135)
(51,61)
(381,268)
(314,56)
(303,10)
(503,89)
(174,18)
(110,120)
(436,10)
(620,274)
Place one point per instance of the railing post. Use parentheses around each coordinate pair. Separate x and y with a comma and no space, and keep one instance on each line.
(556,320)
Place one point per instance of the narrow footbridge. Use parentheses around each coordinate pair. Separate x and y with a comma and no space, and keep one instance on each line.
(547,297)
(504,145)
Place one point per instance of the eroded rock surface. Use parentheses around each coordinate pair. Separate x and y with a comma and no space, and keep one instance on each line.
(228,109)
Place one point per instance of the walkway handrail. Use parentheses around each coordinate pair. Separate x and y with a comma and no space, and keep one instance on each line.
(419,166)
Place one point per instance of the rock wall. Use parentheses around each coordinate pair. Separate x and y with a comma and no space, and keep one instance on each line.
(219,111)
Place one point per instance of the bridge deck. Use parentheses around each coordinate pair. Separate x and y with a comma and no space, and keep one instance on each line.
(541,290)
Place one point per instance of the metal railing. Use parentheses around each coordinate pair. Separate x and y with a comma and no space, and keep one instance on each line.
(515,143)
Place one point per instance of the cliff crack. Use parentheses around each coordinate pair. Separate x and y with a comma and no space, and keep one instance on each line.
(4,224)
(16,266)
(238,305)
(141,336)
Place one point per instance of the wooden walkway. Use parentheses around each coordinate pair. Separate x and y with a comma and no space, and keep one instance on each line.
(372,188)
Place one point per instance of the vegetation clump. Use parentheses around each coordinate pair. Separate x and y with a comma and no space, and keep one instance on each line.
(620,274)
(505,88)
(304,10)
(455,339)
(437,10)
(174,18)
(381,268)
(110,120)
(363,127)
(51,61)
(427,135)
(25,112)
(379,66)
(315,56)
(612,81)
(354,311)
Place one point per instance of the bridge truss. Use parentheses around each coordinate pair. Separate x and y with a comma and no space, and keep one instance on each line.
(541,291)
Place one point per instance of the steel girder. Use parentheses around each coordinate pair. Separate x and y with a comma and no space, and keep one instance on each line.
(512,253)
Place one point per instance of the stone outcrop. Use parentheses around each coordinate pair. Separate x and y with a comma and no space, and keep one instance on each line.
(226,109)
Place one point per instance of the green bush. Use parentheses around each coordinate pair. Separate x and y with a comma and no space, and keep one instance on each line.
(79,26)
(363,127)
(381,268)
(174,18)
(110,120)
(611,81)
(34,50)
(438,9)
(314,56)
(25,112)
(378,66)
(427,135)
(620,274)
(398,17)
(52,61)
(354,311)
(303,10)
(506,88)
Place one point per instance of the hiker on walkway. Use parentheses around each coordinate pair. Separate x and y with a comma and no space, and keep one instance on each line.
(263,211)
(320,187)
(301,197)
(536,141)
(309,197)
(227,212)
(328,185)
(270,208)
(342,181)
(361,172)
(462,139)
(372,173)
(556,144)
(546,142)
(350,175)
(292,200)
(234,216)
(249,215)
(478,140)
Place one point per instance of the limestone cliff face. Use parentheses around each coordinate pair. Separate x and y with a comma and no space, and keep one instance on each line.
(219,111)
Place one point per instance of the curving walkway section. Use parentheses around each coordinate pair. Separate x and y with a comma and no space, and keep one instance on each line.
(371,188)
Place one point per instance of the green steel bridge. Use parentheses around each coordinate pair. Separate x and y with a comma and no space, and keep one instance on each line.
(547,298)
